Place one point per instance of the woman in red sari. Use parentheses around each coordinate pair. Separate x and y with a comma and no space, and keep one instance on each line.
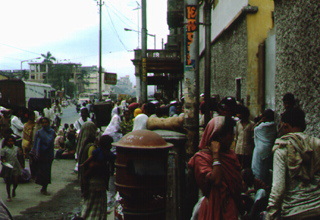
(217,171)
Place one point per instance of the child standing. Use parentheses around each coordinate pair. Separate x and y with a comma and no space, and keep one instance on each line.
(244,137)
(9,155)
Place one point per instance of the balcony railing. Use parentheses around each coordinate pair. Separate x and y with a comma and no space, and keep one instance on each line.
(168,55)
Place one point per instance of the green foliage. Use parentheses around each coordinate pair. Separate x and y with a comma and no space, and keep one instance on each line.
(48,58)
(59,75)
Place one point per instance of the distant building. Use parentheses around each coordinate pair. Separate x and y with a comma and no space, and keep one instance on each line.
(38,71)
(93,80)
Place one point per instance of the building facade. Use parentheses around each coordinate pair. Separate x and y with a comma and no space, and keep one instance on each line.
(92,79)
(297,57)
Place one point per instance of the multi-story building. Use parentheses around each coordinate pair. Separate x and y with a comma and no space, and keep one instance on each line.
(92,85)
(38,71)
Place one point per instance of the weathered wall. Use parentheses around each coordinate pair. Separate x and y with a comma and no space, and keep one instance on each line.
(297,58)
(229,60)
(258,25)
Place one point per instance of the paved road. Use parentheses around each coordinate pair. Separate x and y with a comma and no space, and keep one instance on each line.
(64,189)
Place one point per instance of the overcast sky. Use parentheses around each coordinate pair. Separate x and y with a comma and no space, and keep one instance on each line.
(69,29)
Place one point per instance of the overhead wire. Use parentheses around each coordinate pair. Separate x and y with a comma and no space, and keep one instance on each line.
(115,30)
(20,49)
(119,12)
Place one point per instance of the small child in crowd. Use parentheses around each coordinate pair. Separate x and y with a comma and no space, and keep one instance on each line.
(11,167)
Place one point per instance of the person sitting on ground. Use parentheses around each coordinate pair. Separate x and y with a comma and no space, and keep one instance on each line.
(256,194)
(59,140)
(70,147)
(295,192)
(72,129)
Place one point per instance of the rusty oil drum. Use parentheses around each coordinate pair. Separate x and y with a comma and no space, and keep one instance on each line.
(141,174)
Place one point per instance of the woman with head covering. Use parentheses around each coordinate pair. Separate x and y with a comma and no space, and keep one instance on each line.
(217,171)
(113,129)
(93,186)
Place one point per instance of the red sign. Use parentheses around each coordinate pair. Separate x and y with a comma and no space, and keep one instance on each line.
(191,28)
(110,78)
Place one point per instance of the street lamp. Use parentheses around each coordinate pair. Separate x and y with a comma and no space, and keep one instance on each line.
(37,58)
(152,35)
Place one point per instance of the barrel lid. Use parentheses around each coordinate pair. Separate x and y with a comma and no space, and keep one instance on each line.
(142,139)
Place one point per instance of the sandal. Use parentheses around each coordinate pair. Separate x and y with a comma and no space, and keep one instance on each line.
(44,192)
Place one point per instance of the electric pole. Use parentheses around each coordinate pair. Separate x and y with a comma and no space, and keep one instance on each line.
(100,3)
(143,77)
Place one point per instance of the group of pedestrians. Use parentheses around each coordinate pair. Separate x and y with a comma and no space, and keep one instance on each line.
(273,173)
(27,135)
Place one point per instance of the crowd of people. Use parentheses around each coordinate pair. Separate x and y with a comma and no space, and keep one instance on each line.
(246,167)
(257,169)
(39,138)
(27,134)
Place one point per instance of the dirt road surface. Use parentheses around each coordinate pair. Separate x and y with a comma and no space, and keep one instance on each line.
(64,200)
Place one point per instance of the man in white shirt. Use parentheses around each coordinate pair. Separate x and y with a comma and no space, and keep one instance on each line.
(49,113)
(84,113)
(17,126)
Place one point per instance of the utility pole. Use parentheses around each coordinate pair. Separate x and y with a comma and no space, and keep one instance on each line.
(191,92)
(143,71)
(100,46)
(207,60)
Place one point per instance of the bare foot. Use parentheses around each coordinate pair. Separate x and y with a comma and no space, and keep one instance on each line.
(9,200)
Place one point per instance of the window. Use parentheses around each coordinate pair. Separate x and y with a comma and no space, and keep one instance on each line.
(238,89)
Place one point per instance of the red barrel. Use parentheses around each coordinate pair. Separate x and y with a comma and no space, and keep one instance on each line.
(141,174)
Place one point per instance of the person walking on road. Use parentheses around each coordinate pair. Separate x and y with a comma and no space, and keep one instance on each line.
(95,176)
(11,168)
(93,188)
(43,154)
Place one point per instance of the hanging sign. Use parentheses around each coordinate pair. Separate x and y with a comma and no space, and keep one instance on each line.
(110,78)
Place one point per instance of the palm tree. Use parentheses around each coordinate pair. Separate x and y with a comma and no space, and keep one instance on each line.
(48,58)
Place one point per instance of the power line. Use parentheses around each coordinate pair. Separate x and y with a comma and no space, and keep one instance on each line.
(20,49)
(119,12)
(116,30)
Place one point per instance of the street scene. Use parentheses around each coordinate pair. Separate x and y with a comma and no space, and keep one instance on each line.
(65,199)
(167,109)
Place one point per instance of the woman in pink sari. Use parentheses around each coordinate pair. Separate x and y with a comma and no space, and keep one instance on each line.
(217,171)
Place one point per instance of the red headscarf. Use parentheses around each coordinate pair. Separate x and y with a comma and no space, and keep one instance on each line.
(220,201)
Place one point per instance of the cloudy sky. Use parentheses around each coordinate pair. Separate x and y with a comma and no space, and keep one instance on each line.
(69,29)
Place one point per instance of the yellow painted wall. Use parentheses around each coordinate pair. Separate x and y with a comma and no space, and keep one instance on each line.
(258,26)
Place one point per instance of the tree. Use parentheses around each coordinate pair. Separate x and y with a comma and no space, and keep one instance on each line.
(48,58)
(59,75)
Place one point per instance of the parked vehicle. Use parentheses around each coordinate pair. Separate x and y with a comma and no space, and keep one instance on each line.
(17,93)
